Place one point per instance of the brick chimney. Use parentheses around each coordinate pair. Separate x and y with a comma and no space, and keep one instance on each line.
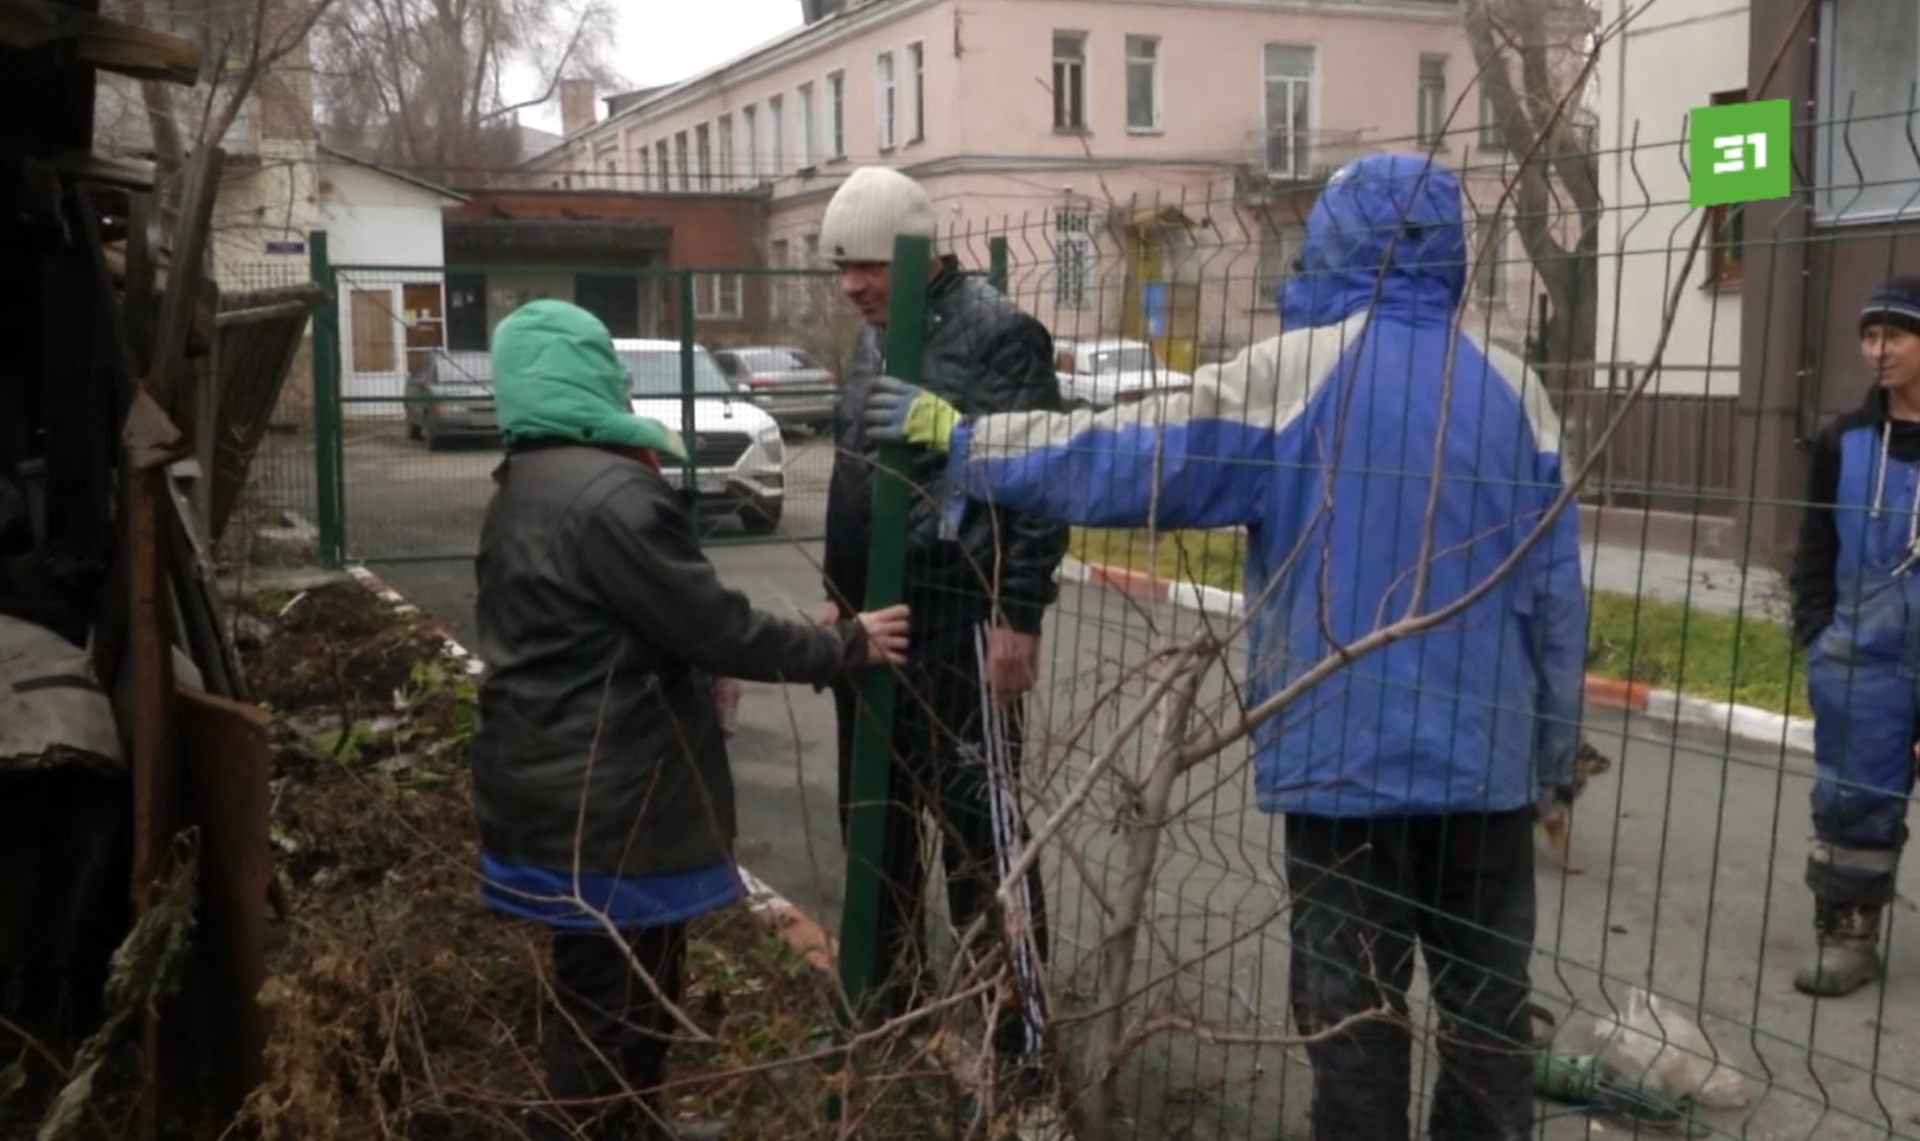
(577,106)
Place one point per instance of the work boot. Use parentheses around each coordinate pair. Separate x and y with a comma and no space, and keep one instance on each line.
(1848,955)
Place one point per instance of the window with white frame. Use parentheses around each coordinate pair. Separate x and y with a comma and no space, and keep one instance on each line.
(837,115)
(776,135)
(642,168)
(716,296)
(886,116)
(1430,116)
(1069,81)
(1289,110)
(1143,83)
(1869,64)
(1491,137)
(611,167)
(780,256)
(1489,251)
(917,92)
(750,143)
(724,144)
(1072,256)
(682,175)
(662,167)
(703,155)
(803,130)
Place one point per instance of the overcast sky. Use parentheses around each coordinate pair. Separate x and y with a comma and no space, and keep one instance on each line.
(657,46)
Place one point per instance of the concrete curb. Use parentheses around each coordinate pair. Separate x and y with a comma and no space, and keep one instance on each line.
(1741,722)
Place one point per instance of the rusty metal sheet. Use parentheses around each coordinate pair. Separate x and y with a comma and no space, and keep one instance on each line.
(226,755)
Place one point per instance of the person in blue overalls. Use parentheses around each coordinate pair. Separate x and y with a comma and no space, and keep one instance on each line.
(1856,609)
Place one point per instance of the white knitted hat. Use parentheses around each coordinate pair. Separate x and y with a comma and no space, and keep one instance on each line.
(874,206)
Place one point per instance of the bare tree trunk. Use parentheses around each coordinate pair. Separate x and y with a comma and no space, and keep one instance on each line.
(1150,811)
(1539,42)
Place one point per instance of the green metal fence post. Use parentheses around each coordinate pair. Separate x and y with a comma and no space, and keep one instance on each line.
(329,497)
(689,430)
(997,263)
(886,586)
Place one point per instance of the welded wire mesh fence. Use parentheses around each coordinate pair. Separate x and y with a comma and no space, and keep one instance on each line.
(1687,356)
(1694,842)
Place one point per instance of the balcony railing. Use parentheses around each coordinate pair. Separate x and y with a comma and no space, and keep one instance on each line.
(1281,155)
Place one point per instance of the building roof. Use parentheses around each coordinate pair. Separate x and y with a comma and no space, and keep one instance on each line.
(799,42)
(389,172)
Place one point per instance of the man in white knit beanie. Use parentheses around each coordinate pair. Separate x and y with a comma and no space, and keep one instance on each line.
(981,577)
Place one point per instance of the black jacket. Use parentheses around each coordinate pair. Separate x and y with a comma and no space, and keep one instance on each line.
(602,625)
(1815,591)
(983,355)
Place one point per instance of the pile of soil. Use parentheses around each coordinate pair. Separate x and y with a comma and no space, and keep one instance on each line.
(401,1009)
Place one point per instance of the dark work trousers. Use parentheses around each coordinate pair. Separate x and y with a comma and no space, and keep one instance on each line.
(956,756)
(607,1040)
(1364,891)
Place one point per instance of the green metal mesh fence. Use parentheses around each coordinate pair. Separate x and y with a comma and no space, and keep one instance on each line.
(1690,358)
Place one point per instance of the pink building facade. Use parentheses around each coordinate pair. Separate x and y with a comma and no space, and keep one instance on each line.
(1148,161)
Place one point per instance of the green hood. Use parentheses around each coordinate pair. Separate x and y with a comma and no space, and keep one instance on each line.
(555,377)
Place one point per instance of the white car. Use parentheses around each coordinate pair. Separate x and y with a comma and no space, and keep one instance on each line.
(739,459)
(1112,370)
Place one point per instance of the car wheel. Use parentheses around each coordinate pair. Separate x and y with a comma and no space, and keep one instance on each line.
(435,441)
(413,430)
(761,517)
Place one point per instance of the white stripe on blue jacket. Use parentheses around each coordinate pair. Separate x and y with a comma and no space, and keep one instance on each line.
(1321,444)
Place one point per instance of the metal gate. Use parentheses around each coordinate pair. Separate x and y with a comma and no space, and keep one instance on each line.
(743,362)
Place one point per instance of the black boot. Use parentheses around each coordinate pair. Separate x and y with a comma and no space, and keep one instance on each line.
(1847,956)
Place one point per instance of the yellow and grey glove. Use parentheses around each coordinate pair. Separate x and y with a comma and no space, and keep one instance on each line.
(900,413)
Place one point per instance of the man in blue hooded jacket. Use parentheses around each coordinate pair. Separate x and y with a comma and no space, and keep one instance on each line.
(1411,776)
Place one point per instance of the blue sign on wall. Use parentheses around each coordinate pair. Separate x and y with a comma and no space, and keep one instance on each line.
(1153,308)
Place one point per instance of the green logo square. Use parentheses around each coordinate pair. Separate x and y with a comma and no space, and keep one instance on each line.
(1738,153)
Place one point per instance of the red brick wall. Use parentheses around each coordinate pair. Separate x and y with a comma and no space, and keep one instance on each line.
(709,231)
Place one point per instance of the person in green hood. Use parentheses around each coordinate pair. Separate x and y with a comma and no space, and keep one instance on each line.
(600,777)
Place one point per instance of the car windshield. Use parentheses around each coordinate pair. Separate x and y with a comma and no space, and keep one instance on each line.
(776,360)
(1123,360)
(656,373)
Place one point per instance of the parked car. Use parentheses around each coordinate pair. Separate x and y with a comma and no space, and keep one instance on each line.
(789,383)
(1111,370)
(739,458)
(450,396)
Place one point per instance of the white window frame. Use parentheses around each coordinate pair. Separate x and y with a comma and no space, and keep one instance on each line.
(723,149)
(886,102)
(1298,152)
(682,161)
(1836,193)
(1430,100)
(1070,72)
(776,135)
(1150,60)
(703,155)
(663,160)
(750,142)
(717,297)
(642,168)
(836,115)
(803,133)
(917,92)
(1074,255)
(1487,133)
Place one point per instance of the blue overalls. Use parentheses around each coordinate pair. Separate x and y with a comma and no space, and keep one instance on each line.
(1863,676)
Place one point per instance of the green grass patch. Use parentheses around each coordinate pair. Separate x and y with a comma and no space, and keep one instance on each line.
(1668,645)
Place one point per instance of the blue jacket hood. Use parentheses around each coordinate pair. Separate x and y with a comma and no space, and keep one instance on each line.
(1390,222)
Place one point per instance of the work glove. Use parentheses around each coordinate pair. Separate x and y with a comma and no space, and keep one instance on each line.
(900,413)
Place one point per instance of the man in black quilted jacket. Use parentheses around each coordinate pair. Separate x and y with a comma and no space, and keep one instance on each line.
(978,593)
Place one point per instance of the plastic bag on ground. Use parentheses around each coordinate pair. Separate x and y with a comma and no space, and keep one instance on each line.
(1653,1044)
